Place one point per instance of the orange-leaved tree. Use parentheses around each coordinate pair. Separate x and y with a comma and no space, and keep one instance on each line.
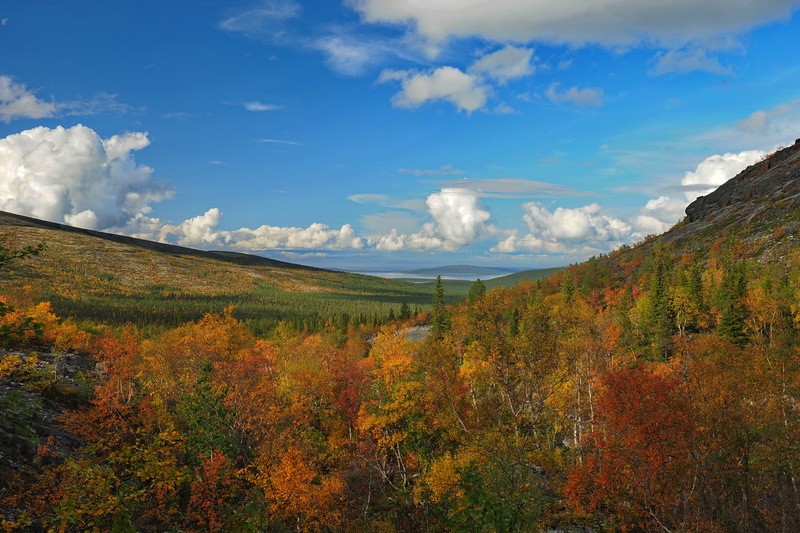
(638,459)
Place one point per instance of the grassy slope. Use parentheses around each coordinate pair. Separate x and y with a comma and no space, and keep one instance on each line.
(95,275)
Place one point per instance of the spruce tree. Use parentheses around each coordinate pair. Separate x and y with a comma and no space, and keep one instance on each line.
(659,320)
(568,289)
(731,297)
(476,291)
(438,319)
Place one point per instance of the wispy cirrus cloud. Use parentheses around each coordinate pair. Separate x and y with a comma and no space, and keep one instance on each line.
(19,102)
(582,96)
(508,63)
(443,170)
(350,52)
(689,59)
(98,104)
(763,129)
(347,49)
(512,188)
(369,198)
(264,20)
(280,141)
(259,106)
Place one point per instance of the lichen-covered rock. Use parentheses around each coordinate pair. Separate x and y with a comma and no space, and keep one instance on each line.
(36,387)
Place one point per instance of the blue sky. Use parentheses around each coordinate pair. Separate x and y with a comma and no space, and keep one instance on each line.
(383,134)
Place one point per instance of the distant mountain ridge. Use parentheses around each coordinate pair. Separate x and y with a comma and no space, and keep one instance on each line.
(461,270)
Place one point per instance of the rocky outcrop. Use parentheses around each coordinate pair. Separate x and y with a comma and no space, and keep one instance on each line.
(36,388)
(776,178)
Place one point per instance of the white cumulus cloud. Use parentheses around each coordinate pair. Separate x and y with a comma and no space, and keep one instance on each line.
(716,170)
(202,231)
(458,214)
(315,236)
(71,175)
(566,231)
(579,224)
(425,239)
(195,231)
(658,215)
(529,243)
(575,233)
(465,91)
(16,101)
(459,219)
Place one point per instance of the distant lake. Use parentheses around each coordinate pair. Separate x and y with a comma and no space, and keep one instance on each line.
(423,277)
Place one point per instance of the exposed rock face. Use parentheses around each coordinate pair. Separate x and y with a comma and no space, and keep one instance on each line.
(776,178)
(760,208)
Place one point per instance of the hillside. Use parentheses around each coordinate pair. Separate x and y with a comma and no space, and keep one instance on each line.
(113,278)
(760,206)
(518,277)
(11,220)
(754,216)
(655,388)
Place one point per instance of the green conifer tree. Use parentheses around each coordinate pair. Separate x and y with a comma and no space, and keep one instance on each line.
(476,291)
(438,318)
(733,312)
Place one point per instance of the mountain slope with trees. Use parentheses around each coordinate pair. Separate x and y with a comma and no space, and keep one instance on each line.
(656,388)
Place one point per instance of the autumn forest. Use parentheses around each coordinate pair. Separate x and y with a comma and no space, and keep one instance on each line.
(643,390)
